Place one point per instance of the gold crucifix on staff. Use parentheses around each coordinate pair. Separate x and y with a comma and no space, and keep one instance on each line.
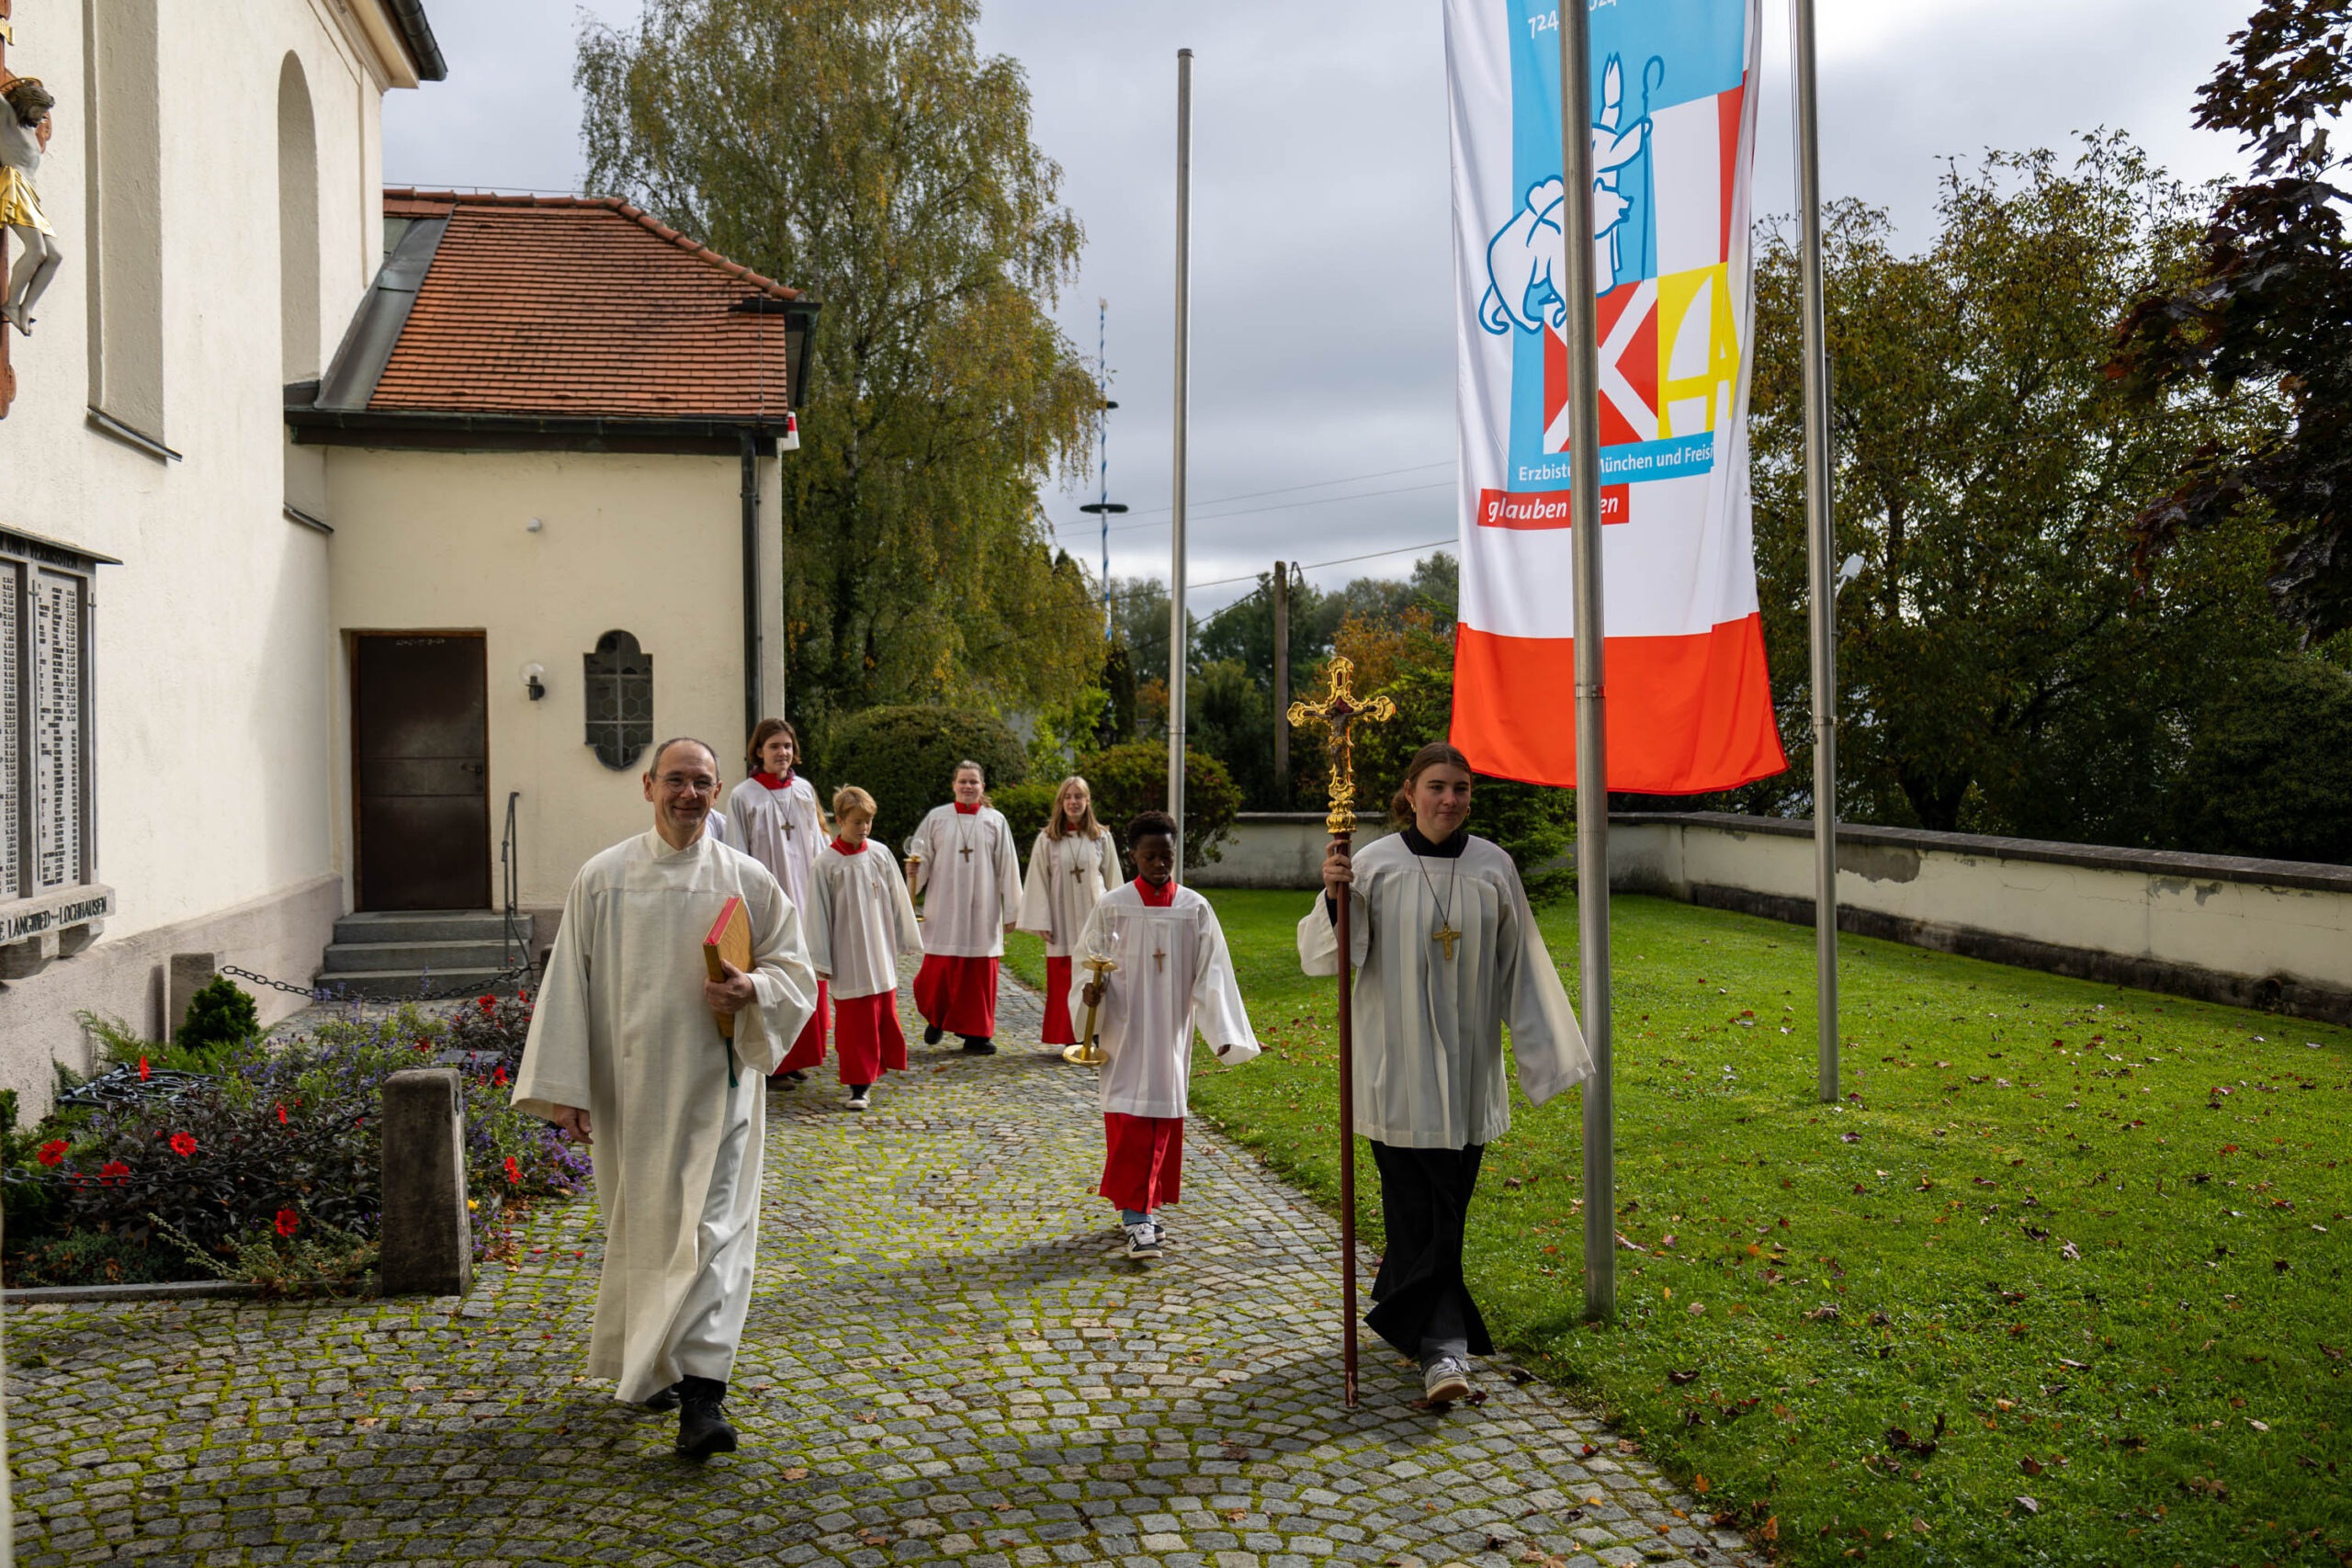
(1339,710)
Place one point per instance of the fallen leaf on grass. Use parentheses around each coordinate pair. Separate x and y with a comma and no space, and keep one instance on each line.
(2331,1353)
(2029,1504)
(2074,1366)
(2071,1253)
(2259,1426)
(1919,1527)
(2030,1465)
(1678,1379)
(1826,1312)
(1701,1484)
(2206,1486)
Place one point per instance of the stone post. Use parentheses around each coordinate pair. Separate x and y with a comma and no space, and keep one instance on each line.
(190,973)
(427,1242)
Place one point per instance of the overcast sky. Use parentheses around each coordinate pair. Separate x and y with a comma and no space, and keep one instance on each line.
(1322,358)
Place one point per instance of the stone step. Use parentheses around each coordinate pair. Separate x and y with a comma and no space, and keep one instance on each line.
(345,957)
(404,985)
(403,926)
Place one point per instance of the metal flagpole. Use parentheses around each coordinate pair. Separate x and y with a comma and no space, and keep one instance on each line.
(1820,543)
(1176,628)
(1592,735)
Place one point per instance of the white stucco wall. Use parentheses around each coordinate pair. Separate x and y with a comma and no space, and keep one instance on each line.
(211,652)
(648,545)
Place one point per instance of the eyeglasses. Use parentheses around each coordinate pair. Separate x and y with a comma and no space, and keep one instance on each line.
(679,784)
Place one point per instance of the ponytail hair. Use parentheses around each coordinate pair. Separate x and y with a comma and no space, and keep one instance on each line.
(1436,753)
(763,732)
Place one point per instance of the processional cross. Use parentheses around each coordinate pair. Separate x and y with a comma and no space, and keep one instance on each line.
(1339,711)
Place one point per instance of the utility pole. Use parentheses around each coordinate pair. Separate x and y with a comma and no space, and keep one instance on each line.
(1176,626)
(1282,683)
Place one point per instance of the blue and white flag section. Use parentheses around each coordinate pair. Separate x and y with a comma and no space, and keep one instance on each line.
(1673,146)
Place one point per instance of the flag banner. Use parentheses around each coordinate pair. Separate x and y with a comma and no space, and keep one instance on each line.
(1673,145)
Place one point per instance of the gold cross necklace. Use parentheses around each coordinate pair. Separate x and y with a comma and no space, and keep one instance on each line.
(1445,936)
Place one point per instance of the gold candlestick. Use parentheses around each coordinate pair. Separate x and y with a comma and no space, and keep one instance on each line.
(1087,1052)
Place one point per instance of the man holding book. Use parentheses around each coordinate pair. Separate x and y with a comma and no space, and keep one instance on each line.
(628,1053)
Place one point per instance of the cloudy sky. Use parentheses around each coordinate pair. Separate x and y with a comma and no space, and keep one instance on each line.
(1322,360)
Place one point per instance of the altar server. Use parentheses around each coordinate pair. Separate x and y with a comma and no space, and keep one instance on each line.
(1447,954)
(624,1050)
(1069,865)
(1173,975)
(965,870)
(772,816)
(860,919)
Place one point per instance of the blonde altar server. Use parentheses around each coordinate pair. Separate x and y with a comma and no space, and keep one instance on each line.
(860,919)
(1069,865)
(971,880)
(1447,954)
(772,816)
(624,1053)
(1173,975)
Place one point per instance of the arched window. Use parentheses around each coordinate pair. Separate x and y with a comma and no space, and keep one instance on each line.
(298,225)
(619,681)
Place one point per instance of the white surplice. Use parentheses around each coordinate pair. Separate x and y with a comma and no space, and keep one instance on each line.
(1173,975)
(971,880)
(859,920)
(620,1028)
(1429,1067)
(1065,880)
(781,828)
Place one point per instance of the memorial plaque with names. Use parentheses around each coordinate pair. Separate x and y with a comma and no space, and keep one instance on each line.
(57,730)
(12,729)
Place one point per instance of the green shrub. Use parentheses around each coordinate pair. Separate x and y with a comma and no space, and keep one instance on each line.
(1027,807)
(94,1258)
(2269,770)
(1130,779)
(903,758)
(219,1017)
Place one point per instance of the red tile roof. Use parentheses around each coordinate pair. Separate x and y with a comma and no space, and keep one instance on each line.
(580,306)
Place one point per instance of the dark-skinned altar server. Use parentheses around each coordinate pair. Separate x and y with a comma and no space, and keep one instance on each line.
(1173,975)
(1071,864)
(625,1054)
(1447,954)
(860,919)
(772,816)
(970,880)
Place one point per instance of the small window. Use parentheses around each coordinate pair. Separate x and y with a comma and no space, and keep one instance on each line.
(619,688)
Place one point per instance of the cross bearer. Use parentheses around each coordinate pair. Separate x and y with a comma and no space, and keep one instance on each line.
(625,1051)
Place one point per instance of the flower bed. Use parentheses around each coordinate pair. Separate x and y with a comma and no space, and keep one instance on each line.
(267,1167)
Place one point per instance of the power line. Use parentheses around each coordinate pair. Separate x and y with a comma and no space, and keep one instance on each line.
(1343,561)
(1284,506)
(1319,484)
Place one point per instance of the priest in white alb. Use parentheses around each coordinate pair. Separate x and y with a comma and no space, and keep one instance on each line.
(963,864)
(1447,954)
(1172,976)
(625,1054)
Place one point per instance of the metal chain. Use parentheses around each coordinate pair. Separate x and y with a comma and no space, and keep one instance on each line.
(523,971)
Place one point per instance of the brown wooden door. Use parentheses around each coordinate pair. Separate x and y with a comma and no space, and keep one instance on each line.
(420,710)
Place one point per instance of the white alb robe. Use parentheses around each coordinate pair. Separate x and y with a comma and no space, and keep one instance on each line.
(781,828)
(1065,880)
(859,920)
(621,1029)
(1429,1068)
(968,898)
(1174,976)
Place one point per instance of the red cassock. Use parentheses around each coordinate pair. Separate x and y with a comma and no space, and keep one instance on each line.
(958,994)
(809,1050)
(1143,1161)
(1058,1029)
(867,1041)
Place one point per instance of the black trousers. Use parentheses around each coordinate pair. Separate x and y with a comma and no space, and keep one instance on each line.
(1420,1293)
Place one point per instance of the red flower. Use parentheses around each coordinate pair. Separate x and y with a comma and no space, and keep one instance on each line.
(281,1113)
(143,1073)
(183,1144)
(52,1151)
(498,1073)
(113,1171)
(488,1002)
(514,1170)
(287,1220)
(523,998)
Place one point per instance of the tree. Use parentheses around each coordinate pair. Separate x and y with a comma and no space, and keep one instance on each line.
(865,150)
(2268,303)
(2000,667)
(2269,768)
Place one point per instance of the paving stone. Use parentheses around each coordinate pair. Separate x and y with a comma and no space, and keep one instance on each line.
(948,1359)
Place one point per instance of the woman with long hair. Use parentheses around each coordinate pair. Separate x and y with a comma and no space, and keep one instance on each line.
(1446,953)
(1070,865)
(964,867)
(772,816)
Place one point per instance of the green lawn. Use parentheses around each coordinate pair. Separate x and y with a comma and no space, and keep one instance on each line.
(2100,1234)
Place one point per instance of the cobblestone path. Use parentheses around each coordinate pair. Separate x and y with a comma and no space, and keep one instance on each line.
(947,1360)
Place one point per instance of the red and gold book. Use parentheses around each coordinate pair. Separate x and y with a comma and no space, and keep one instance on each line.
(730,942)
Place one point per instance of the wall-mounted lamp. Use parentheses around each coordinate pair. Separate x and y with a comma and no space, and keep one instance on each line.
(532,682)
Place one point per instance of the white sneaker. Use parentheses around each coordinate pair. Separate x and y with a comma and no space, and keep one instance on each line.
(859,1100)
(1445,1380)
(1143,1239)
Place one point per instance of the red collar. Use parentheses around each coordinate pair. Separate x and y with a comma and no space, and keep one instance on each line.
(1156,898)
(964,810)
(857,849)
(776,782)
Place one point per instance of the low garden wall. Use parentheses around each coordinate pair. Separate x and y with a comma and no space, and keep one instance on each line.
(1273,849)
(2258,933)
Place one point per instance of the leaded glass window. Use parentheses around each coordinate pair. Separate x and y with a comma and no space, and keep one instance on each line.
(618,686)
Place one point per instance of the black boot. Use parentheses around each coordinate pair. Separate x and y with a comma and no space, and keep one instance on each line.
(666,1400)
(701,1418)
(978,1045)
(930,1033)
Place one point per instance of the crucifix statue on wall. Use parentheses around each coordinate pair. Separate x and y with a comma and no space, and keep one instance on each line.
(25,127)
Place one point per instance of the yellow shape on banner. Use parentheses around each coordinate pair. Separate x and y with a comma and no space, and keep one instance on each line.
(1698,350)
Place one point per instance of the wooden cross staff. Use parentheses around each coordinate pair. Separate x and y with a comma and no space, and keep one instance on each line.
(1339,710)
